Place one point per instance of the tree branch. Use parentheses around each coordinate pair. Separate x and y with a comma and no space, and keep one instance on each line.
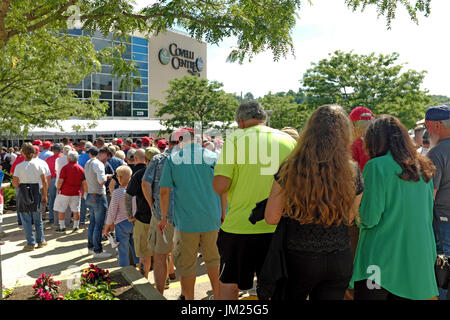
(54,17)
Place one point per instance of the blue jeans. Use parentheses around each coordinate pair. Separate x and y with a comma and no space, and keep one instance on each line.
(27,223)
(97,207)
(445,238)
(124,235)
(51,200)
(83,211)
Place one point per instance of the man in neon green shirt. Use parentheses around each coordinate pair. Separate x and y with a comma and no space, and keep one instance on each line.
(244,174)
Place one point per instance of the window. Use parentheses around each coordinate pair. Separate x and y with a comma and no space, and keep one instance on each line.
(75,32)
(140,97)
(109,110)
(122,96)
(140,105)
(141,89)
(139,49)
(142,65)
(79,93)
(106,69)
(140,41)
(101,82)
(143,74)
(140,57)
(105,95)
(87,94)
(128,102)
(101,44)
(87,83)
(122,109)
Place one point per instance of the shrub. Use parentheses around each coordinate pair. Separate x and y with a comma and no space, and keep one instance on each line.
(9,195)
(46,288)
(101,291)
(94,275)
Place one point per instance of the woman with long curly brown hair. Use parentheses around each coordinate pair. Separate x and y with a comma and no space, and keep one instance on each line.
(396,249)
(316,190)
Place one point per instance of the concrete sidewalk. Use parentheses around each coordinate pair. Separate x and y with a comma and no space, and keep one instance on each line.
(64,256)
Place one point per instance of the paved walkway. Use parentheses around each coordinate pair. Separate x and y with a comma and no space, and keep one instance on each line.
(66,255)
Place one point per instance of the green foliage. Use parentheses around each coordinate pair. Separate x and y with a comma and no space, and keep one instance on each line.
(95,285)
(287,112)
(9,196)
(100,291)
(35,70)
(6,292)
(376,82)
(388,8)
(190,99)
(36,65)
(437,100)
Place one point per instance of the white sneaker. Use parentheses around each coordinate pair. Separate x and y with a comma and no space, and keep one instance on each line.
(102,255)
(90,251)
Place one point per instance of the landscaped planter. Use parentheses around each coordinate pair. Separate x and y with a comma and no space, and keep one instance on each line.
(131,285)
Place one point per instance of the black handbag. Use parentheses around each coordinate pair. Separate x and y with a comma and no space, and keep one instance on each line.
(441,267)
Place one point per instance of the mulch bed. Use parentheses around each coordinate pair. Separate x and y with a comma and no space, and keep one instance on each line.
(122,290)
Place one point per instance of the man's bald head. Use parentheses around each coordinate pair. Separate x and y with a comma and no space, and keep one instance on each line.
(139,156)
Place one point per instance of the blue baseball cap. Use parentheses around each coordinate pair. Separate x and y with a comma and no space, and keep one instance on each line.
(438,113)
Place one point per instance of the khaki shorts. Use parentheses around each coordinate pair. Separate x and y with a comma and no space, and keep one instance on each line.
(156,240)
(186,251)
(140,235)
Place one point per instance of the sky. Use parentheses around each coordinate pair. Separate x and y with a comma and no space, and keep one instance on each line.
(327,26)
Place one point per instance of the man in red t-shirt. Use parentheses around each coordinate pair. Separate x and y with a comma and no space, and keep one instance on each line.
(360,117)
(56,149)
(71,185)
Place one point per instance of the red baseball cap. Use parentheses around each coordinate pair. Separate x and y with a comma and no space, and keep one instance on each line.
(37,143)
(134,145)
(119,141)
(36,149)
(47,144)
(145,141)
(361,113)
(162,143)
(180,132)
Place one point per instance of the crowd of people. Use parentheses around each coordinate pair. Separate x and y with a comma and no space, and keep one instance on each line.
(352,207)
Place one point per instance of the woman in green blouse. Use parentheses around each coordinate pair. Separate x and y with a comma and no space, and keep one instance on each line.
(396,248)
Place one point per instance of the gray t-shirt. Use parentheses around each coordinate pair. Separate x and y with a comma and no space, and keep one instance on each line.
(440,155)
(94,171)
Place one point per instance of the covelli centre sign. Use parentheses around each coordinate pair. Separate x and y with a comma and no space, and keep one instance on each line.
(181,58)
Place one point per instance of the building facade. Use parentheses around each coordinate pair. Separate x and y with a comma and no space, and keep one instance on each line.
(159,58)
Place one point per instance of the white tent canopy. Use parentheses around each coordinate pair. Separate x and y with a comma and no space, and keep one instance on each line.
(98,127)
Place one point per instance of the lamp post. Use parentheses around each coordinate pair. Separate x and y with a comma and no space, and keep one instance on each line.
(269,113)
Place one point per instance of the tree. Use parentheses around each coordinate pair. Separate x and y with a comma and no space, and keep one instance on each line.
(376,82)
(439,99)
(249,96)
(287,113)
(26,25)
(190,99)
(257,25)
